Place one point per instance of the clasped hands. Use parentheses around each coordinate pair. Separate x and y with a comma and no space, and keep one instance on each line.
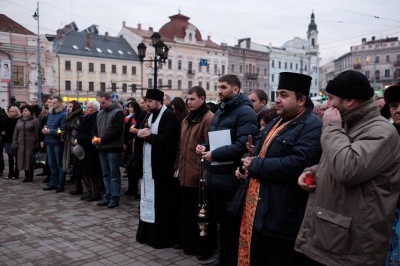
(144,132)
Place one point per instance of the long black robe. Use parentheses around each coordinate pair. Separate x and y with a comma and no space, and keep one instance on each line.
(164,144)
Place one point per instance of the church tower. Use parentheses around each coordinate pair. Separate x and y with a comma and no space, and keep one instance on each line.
(312,36)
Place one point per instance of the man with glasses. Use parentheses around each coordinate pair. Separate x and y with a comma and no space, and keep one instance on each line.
(109,133)
(53,139)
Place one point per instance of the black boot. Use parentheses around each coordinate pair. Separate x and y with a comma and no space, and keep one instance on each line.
(47,179)
(78,189)
(15,176)
(26,179)
(30,176)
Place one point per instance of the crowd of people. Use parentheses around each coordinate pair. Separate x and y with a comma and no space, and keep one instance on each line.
(296,183)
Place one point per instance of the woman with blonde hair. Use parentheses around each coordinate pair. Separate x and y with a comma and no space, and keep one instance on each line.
(13,115)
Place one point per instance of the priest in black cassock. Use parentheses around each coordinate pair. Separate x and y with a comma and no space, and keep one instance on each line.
(157,224)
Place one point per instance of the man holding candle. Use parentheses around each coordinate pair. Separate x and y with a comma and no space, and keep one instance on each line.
(351,208)
(275,205)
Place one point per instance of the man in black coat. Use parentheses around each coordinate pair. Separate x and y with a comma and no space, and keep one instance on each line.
(235,113)
(158,203)
(275,204)
(88,166)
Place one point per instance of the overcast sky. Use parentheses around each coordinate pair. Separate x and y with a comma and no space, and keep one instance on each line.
(341,23)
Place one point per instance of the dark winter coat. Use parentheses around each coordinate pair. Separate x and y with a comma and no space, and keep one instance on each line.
(238,116)
(26,139)
(9,128)
(282,202)
(90,165)
(71,127)
(110,129)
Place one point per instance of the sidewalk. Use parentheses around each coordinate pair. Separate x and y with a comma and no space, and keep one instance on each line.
(46,228)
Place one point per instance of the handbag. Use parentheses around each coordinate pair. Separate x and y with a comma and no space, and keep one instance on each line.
(235,207)
(39,159)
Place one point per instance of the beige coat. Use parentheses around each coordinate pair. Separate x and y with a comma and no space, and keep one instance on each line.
(350,214)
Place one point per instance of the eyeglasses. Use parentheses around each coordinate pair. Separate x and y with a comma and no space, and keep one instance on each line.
(89,107)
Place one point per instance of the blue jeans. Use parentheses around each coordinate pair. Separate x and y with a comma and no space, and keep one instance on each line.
(54,157)
(111,175)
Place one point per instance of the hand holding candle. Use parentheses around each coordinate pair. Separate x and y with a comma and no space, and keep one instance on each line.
(309,180)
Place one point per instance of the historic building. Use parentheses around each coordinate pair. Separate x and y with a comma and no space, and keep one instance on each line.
(327,73)
(89,63)
(249,61)
(379,60)
(18,50)
(191,61)
(297,55)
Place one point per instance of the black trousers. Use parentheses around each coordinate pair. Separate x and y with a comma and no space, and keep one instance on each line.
(276,252)
(188,230)
(228,232)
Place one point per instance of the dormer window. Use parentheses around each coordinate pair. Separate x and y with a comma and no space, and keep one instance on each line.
(99,50)
(75,47)
(190,37)
(109,51)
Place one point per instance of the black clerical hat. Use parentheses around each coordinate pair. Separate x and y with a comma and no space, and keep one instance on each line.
(155,94)
(294,82)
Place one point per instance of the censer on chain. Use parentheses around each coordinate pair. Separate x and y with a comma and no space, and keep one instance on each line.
(202,216)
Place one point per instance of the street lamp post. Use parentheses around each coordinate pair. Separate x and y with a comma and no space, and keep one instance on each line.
(39,76)
(160,56)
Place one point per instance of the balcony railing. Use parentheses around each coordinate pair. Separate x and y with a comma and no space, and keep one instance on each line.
(251,76)
(191,73)
(357,66)
(396,63)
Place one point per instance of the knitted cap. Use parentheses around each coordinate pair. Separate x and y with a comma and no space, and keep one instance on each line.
(350,84)
(392,93)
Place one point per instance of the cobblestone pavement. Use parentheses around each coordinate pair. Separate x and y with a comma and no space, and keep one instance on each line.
(46,228)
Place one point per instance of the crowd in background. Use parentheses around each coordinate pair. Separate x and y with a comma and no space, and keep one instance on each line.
(165,149)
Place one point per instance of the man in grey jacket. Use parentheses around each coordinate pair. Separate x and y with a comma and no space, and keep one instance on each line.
(351,206)
(109,133)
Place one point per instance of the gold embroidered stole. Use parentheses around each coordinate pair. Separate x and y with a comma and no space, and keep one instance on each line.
(251,200)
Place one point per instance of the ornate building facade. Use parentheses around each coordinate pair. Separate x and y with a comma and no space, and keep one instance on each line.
(192,60)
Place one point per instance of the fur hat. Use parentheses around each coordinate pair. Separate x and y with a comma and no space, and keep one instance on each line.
(294,82)
(350,84)
(155,94)
(392,93)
